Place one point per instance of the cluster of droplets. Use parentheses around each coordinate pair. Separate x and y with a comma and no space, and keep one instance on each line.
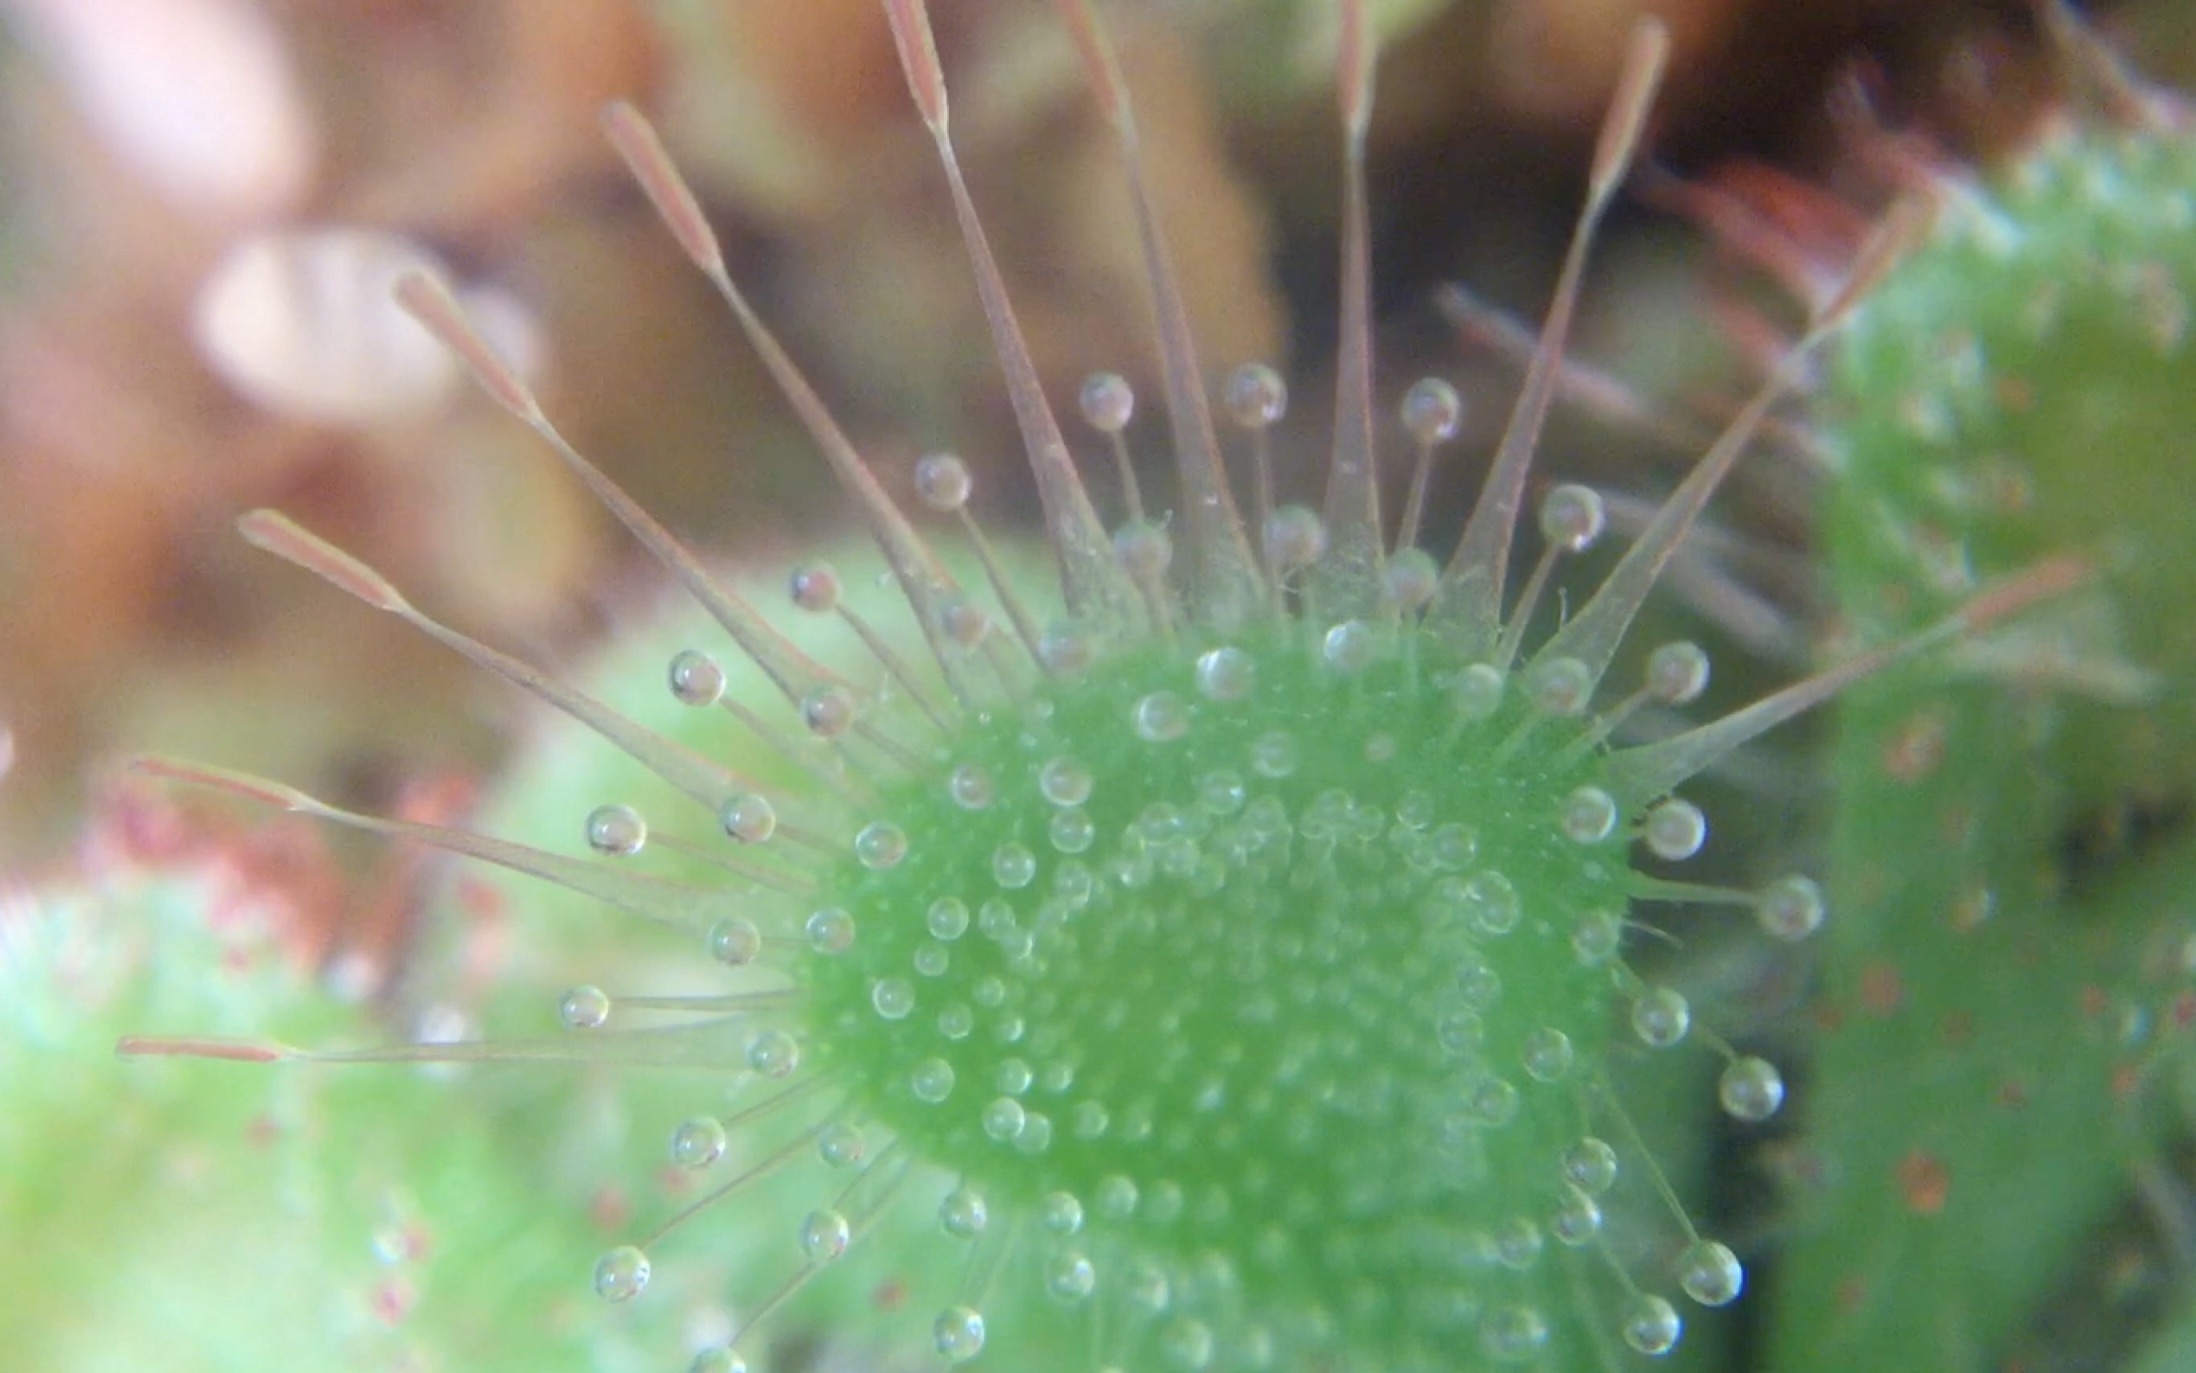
(1230,932)
(1248,805)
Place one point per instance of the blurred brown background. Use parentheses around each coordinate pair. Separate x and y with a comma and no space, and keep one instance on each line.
(201,202)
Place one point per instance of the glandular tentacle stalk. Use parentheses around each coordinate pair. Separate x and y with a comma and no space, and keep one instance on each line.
(1224,939)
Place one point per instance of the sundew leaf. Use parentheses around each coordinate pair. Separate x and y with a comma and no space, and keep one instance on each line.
(1221,948)
(1999,1010)
(149,1204)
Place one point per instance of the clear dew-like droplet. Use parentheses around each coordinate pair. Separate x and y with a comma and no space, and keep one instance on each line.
(931,1081)
(1561,687)
(963,1213)
(1675,830)
(1750,1089)
(1013,866)
(1061,1213)
(1186,1344)
(1004,1119)
(749,818)
(1454,846)
(698,1142)
(718,1360)
(1589,815)
(696,678)
(1577,1219)
(1651,1325)
(1226,674)
(1013,1077)
(1479,985)
(1273,754)
(1596,937)
(1573,517)
(1513,1332)
(970,786)
(1661,1016)
(1460,1032)
(1432,410)
(1349,646)
(1146,1286)
(621,1274)
(815,588)
(893,997)
(1411,579)
(1710,1273)
(881,844)
(1069,1276)
(963,622)
(1108,402)
(1295,538)
(825,1235)
(1256,397)
(1494,1102)
(828,711)
(1072,831)
(1790,909)
(584,1008)
(1036,1135)
(947,918)
(1548,1054)
(1117,1197)
(959,1333)
(830,930)
(1590,1165)
(1063,651)
(773,1053)
(942,482)
(1477,691)
(1161,717)
(1491,903)
(735,942)
(1144,550)
(1677,673)
(841,1146)
(1517,1243)
(1064,782)
(1221,793)
(616,831)
(1090,1120)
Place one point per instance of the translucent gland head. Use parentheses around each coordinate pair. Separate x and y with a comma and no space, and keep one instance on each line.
(1295,538)
(815,588)
(942,482)
(1710,1273)
(1674,830)
(1107,401)
(696,679)
(749,818)
(1432,411)
(1572,518)
(1750,1089)
(1256,396)
(621,1274)
(1677,673)
(616,831)
(1790,909)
